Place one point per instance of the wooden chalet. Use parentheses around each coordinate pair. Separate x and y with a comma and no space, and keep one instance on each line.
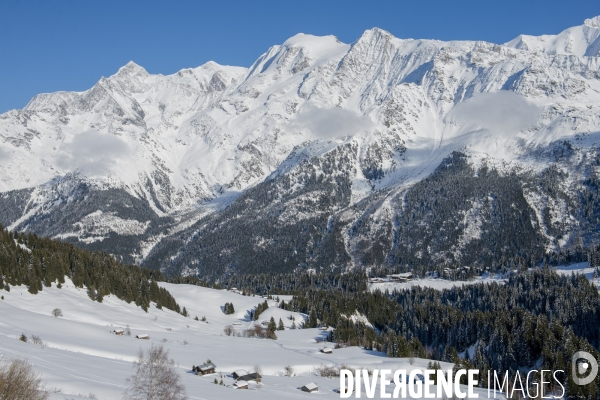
(310,387)
(119,332)
(253,377)
(204,369)
(239,372)
(240,385)
(404,277)
(143,336)
(327,350)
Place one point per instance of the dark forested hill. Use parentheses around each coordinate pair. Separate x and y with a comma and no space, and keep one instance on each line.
(26,259)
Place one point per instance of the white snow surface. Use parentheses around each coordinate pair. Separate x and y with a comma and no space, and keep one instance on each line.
(81,356)
(441,284)
(434,283)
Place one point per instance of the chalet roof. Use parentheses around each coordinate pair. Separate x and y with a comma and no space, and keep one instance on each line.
(250,377)
(206,366)
(143,336)
(402,275)
(311,386)
(240,372)
(240,384)
(327,350)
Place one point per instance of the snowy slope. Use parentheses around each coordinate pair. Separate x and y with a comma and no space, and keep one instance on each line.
(81,356)
(174,149)
(581,40)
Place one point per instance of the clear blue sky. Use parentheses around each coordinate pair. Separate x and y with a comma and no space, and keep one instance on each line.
(46,46)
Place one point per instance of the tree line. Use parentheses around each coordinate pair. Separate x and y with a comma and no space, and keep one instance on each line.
(536,318)
(26,259)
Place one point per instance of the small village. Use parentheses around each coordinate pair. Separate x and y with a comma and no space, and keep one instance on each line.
(241,379)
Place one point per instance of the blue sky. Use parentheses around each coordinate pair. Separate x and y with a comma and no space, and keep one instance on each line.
(46,46)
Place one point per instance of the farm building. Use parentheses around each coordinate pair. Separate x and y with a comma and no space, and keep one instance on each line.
(241,385)
(255,376)
(327,350)
(119,332)
(310,387)
(239,372)
(204,369)
(143,336)
(404,277)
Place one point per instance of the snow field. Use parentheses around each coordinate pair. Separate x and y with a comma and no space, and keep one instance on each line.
(81,356)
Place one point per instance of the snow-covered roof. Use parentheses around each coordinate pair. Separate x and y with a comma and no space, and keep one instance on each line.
(249,377)
(206,366)
(402,275)
(311,386)
(143,336)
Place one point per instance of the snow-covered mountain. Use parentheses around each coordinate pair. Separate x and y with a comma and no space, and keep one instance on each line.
(321,154)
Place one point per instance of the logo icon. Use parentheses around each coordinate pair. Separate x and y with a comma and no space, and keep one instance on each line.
(580,365)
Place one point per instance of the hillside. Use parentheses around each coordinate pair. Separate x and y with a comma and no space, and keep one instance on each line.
(81,357)
(36,263)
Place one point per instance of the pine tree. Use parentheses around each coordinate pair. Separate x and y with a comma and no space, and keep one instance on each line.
(312,319)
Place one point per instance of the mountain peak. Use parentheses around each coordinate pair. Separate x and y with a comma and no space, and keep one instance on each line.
(592,22)
(375,33)
(302,39)
(131,68)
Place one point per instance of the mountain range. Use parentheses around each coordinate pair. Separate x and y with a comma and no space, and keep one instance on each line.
(384,152)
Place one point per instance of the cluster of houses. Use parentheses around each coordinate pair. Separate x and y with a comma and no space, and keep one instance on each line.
(121,332)
(243,378)
(448,273)
(403,277)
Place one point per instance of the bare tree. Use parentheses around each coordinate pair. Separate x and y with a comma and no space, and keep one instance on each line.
(228,330)
(57,313)
(35,339)
(288,370)
(19,381)
(155,377)
(258,370)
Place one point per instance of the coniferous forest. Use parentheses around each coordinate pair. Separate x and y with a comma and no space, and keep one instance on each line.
(26,259)
(534,319)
